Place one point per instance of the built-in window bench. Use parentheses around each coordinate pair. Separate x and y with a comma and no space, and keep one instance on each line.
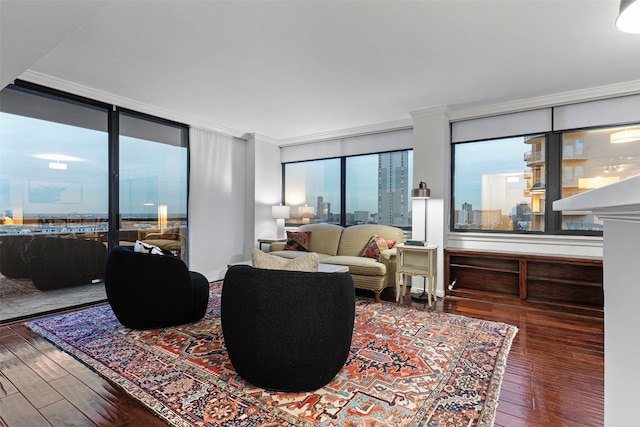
(557,283)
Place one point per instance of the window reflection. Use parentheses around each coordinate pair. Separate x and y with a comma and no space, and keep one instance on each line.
(592,159)
(312,189)
(153,184)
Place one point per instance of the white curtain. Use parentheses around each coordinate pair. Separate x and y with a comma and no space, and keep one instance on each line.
(217,188)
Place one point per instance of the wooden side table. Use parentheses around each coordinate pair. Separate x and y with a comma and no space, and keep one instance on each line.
(417,261)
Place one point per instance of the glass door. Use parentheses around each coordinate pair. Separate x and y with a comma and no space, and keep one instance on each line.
(53,191)
(153,161)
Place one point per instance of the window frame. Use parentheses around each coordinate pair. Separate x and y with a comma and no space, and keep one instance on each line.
(343,182)
(113,133)
(553,182)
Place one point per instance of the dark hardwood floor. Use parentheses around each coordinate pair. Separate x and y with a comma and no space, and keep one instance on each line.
(554,375)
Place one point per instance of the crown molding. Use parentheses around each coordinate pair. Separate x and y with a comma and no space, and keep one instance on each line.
(470,111)
(344,133)
(431,112)
(259,137)
(120,101)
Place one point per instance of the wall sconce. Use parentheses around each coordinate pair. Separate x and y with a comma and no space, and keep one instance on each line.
(628,20)
(280,213)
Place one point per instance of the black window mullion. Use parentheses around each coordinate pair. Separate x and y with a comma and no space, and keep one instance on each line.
(114,181)
(343,194)
(554,182)
(282,190)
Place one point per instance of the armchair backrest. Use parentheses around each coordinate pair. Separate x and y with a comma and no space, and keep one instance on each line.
(325,238)
(148,288)
(287,330)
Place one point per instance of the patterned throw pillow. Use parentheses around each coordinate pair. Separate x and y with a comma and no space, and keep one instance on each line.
(298,241)
(376,245)
(147,248)
(308,262)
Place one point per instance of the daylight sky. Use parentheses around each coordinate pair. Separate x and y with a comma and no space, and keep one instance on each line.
(27,182)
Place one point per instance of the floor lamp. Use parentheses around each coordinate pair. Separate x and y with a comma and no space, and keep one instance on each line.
(280,213)
(419,197)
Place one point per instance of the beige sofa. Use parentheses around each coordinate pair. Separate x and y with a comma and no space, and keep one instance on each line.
(345,246)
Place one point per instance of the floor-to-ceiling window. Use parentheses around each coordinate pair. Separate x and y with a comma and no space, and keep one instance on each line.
(153,183)
(60,208)
(53,165)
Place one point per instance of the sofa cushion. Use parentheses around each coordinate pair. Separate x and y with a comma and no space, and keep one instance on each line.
(297,254)
(325,238)
(298,241)
(309,262)
(358,265)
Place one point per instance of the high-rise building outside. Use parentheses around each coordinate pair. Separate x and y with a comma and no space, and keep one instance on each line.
(393,184)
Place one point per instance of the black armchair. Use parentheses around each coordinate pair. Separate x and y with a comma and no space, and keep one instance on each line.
(12,252)
(153,291)
(55,263)
(287,330)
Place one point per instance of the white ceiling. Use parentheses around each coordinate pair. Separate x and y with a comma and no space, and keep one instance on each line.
(288,69)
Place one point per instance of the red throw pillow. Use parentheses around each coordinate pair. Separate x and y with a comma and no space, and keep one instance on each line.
(298,241)
(376,245)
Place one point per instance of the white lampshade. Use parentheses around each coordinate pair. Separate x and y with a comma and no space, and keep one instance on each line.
(629,17)
(280,212)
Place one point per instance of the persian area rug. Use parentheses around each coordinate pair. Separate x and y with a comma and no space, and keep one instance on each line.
(406,368)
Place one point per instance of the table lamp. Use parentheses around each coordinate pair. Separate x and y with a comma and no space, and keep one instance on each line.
(280,213)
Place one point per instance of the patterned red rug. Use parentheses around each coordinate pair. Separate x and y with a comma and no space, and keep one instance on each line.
(407,367)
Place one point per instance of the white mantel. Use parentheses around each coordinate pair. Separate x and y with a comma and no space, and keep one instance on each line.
(617,201)
(618,205)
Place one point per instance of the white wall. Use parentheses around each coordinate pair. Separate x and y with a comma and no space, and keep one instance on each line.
(621,323)
(268,186)
(431,164)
